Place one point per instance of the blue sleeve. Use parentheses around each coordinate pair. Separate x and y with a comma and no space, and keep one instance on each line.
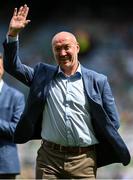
(109,104)
(7,127)
(13,64)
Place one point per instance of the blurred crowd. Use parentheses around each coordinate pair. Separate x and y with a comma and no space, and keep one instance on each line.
(107,47)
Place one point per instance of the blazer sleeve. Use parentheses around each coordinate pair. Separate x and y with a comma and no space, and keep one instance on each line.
(7,127)
(13,64)
(109,104)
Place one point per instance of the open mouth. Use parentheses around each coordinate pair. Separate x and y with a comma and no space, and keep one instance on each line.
(64,59)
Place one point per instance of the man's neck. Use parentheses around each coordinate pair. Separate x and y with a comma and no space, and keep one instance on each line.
(72,71)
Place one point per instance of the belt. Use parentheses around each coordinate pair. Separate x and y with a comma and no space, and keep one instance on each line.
(67,149)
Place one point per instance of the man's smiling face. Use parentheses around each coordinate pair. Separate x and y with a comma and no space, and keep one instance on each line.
(65,50)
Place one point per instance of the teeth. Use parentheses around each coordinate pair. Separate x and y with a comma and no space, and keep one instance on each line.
(65,58)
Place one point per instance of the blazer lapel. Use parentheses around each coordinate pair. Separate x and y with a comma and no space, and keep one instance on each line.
(87,80)
(50,75)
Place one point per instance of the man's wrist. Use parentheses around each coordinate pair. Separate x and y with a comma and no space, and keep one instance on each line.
(11,38)
(12,34)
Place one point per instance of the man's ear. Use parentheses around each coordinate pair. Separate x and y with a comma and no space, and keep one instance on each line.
(78,47)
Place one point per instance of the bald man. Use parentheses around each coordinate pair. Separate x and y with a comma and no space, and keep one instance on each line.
(69,107)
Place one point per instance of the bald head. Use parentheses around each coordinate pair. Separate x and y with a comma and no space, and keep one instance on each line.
(64,35)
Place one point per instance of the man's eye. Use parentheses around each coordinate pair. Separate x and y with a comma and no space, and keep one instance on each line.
(57,49)
(67,47)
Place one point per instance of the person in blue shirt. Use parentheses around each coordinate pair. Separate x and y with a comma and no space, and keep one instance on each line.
(11,107)
(71,108)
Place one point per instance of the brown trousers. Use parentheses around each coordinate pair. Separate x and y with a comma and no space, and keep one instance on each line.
(52,164)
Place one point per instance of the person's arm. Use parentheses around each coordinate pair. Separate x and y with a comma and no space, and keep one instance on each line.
(12,62)
(7,127)
(109,104)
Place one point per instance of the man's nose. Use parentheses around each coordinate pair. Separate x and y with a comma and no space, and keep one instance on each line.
(62,52)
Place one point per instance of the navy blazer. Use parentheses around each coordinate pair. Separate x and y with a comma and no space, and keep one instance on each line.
(105,120)
(11,107)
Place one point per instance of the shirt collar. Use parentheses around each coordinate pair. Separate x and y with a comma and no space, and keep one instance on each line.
(78,71)
(1,85)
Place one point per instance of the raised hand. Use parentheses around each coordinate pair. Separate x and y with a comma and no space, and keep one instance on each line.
(18,21)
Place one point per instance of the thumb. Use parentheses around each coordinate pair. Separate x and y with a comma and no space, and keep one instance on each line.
(27,22)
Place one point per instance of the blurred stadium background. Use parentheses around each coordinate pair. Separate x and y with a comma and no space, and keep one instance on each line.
(105,34)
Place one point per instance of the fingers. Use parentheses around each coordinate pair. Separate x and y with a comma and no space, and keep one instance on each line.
(27,22)
(20,11)
(23,11)
(15,12)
